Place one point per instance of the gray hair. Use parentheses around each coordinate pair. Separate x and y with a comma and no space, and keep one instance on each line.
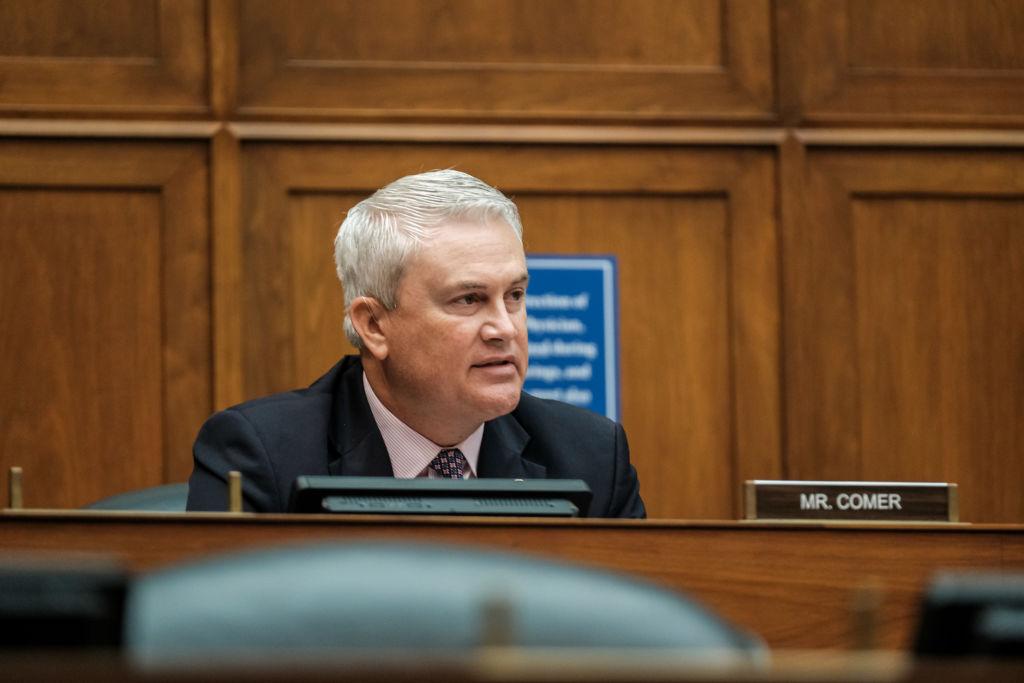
(381,233)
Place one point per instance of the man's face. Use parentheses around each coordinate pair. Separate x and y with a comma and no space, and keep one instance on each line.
(456,343)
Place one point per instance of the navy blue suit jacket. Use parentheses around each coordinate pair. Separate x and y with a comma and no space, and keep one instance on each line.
(328,429)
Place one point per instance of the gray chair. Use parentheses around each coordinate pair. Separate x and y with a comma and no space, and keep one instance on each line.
(367,597)
(166,498)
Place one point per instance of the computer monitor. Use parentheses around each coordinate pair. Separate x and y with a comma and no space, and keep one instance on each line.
(60,603)
(972,614)
(489,497)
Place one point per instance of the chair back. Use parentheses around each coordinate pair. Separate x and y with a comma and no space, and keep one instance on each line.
(408,597)
(166,498)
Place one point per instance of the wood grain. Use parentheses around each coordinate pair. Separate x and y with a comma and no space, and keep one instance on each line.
(902,326)
(694,234)
(318,305)
(28,29)
(895,287)
(105,303)
(81,310)
(107,129)
(647,59)
(225,248)
(186,308)
(222,28)
(132,58)
(576,133)
(674,276)
(793,585)
(918,61)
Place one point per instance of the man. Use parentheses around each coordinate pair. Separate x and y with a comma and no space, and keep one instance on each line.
(435,290)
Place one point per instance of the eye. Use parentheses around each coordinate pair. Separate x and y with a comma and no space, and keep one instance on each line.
(468,299)
(515,299)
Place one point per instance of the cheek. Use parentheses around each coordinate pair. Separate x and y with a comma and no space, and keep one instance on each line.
(449,342)
(521,326)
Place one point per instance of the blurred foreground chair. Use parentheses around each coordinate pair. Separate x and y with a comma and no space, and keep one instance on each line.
(365,597)
(166,498)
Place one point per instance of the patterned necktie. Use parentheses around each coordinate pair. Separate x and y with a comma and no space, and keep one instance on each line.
(449,463)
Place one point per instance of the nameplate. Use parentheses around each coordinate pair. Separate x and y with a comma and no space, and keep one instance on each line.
(884,501)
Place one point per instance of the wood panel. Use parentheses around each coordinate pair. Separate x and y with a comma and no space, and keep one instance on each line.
(123,56)
(694,234)
(914,61)
(104,297)
(675,325)
(515,59)
(795,585)
(903,281)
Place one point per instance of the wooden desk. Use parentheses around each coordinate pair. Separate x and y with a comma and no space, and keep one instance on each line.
(516,666)
(792,584)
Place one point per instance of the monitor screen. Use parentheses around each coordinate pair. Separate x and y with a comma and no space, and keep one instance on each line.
(60,602)
(972,614)
(490,497)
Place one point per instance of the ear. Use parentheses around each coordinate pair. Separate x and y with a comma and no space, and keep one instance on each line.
(366,314)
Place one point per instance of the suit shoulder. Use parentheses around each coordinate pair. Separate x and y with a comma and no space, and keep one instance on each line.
(298,399)
(313,400)
(286,413)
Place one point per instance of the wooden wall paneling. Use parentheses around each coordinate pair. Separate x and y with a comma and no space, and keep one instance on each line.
(902,326)
(755,314)
(105,309)
(513,59)
(222,29)
(694,232)
(226,256)
(675,326)
(125,56)
(186,315)
(819,365)
(317,302)
(911,62)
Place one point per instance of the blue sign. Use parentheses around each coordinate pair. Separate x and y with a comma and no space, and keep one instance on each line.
(572,319)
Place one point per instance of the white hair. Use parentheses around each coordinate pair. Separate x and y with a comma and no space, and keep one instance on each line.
(381,233)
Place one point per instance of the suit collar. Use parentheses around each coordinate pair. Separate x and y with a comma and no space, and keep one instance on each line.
(501,453)
(357,448)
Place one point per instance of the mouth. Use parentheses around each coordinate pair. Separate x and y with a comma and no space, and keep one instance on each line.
(496,363)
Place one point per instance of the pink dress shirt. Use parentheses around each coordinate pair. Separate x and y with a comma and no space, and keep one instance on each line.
(410,451)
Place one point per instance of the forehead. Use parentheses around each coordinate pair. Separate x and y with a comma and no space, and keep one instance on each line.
(471,245)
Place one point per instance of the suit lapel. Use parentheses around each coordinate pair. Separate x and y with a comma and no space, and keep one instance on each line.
(369,458)
(501,452)
(358,449)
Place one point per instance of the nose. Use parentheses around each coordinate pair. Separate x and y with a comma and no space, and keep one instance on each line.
(500,325)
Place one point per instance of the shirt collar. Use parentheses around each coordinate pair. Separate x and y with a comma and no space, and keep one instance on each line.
(410,451)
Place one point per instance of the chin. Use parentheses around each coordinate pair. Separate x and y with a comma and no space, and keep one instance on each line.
(496,404)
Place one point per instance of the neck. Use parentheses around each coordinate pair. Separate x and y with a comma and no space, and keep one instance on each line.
(415,412)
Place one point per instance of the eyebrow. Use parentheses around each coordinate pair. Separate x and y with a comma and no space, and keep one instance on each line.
(471,284)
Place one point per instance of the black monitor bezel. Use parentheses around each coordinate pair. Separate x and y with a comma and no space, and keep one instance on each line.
(309,491)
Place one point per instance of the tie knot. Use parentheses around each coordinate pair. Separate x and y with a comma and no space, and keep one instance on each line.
(449,463)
